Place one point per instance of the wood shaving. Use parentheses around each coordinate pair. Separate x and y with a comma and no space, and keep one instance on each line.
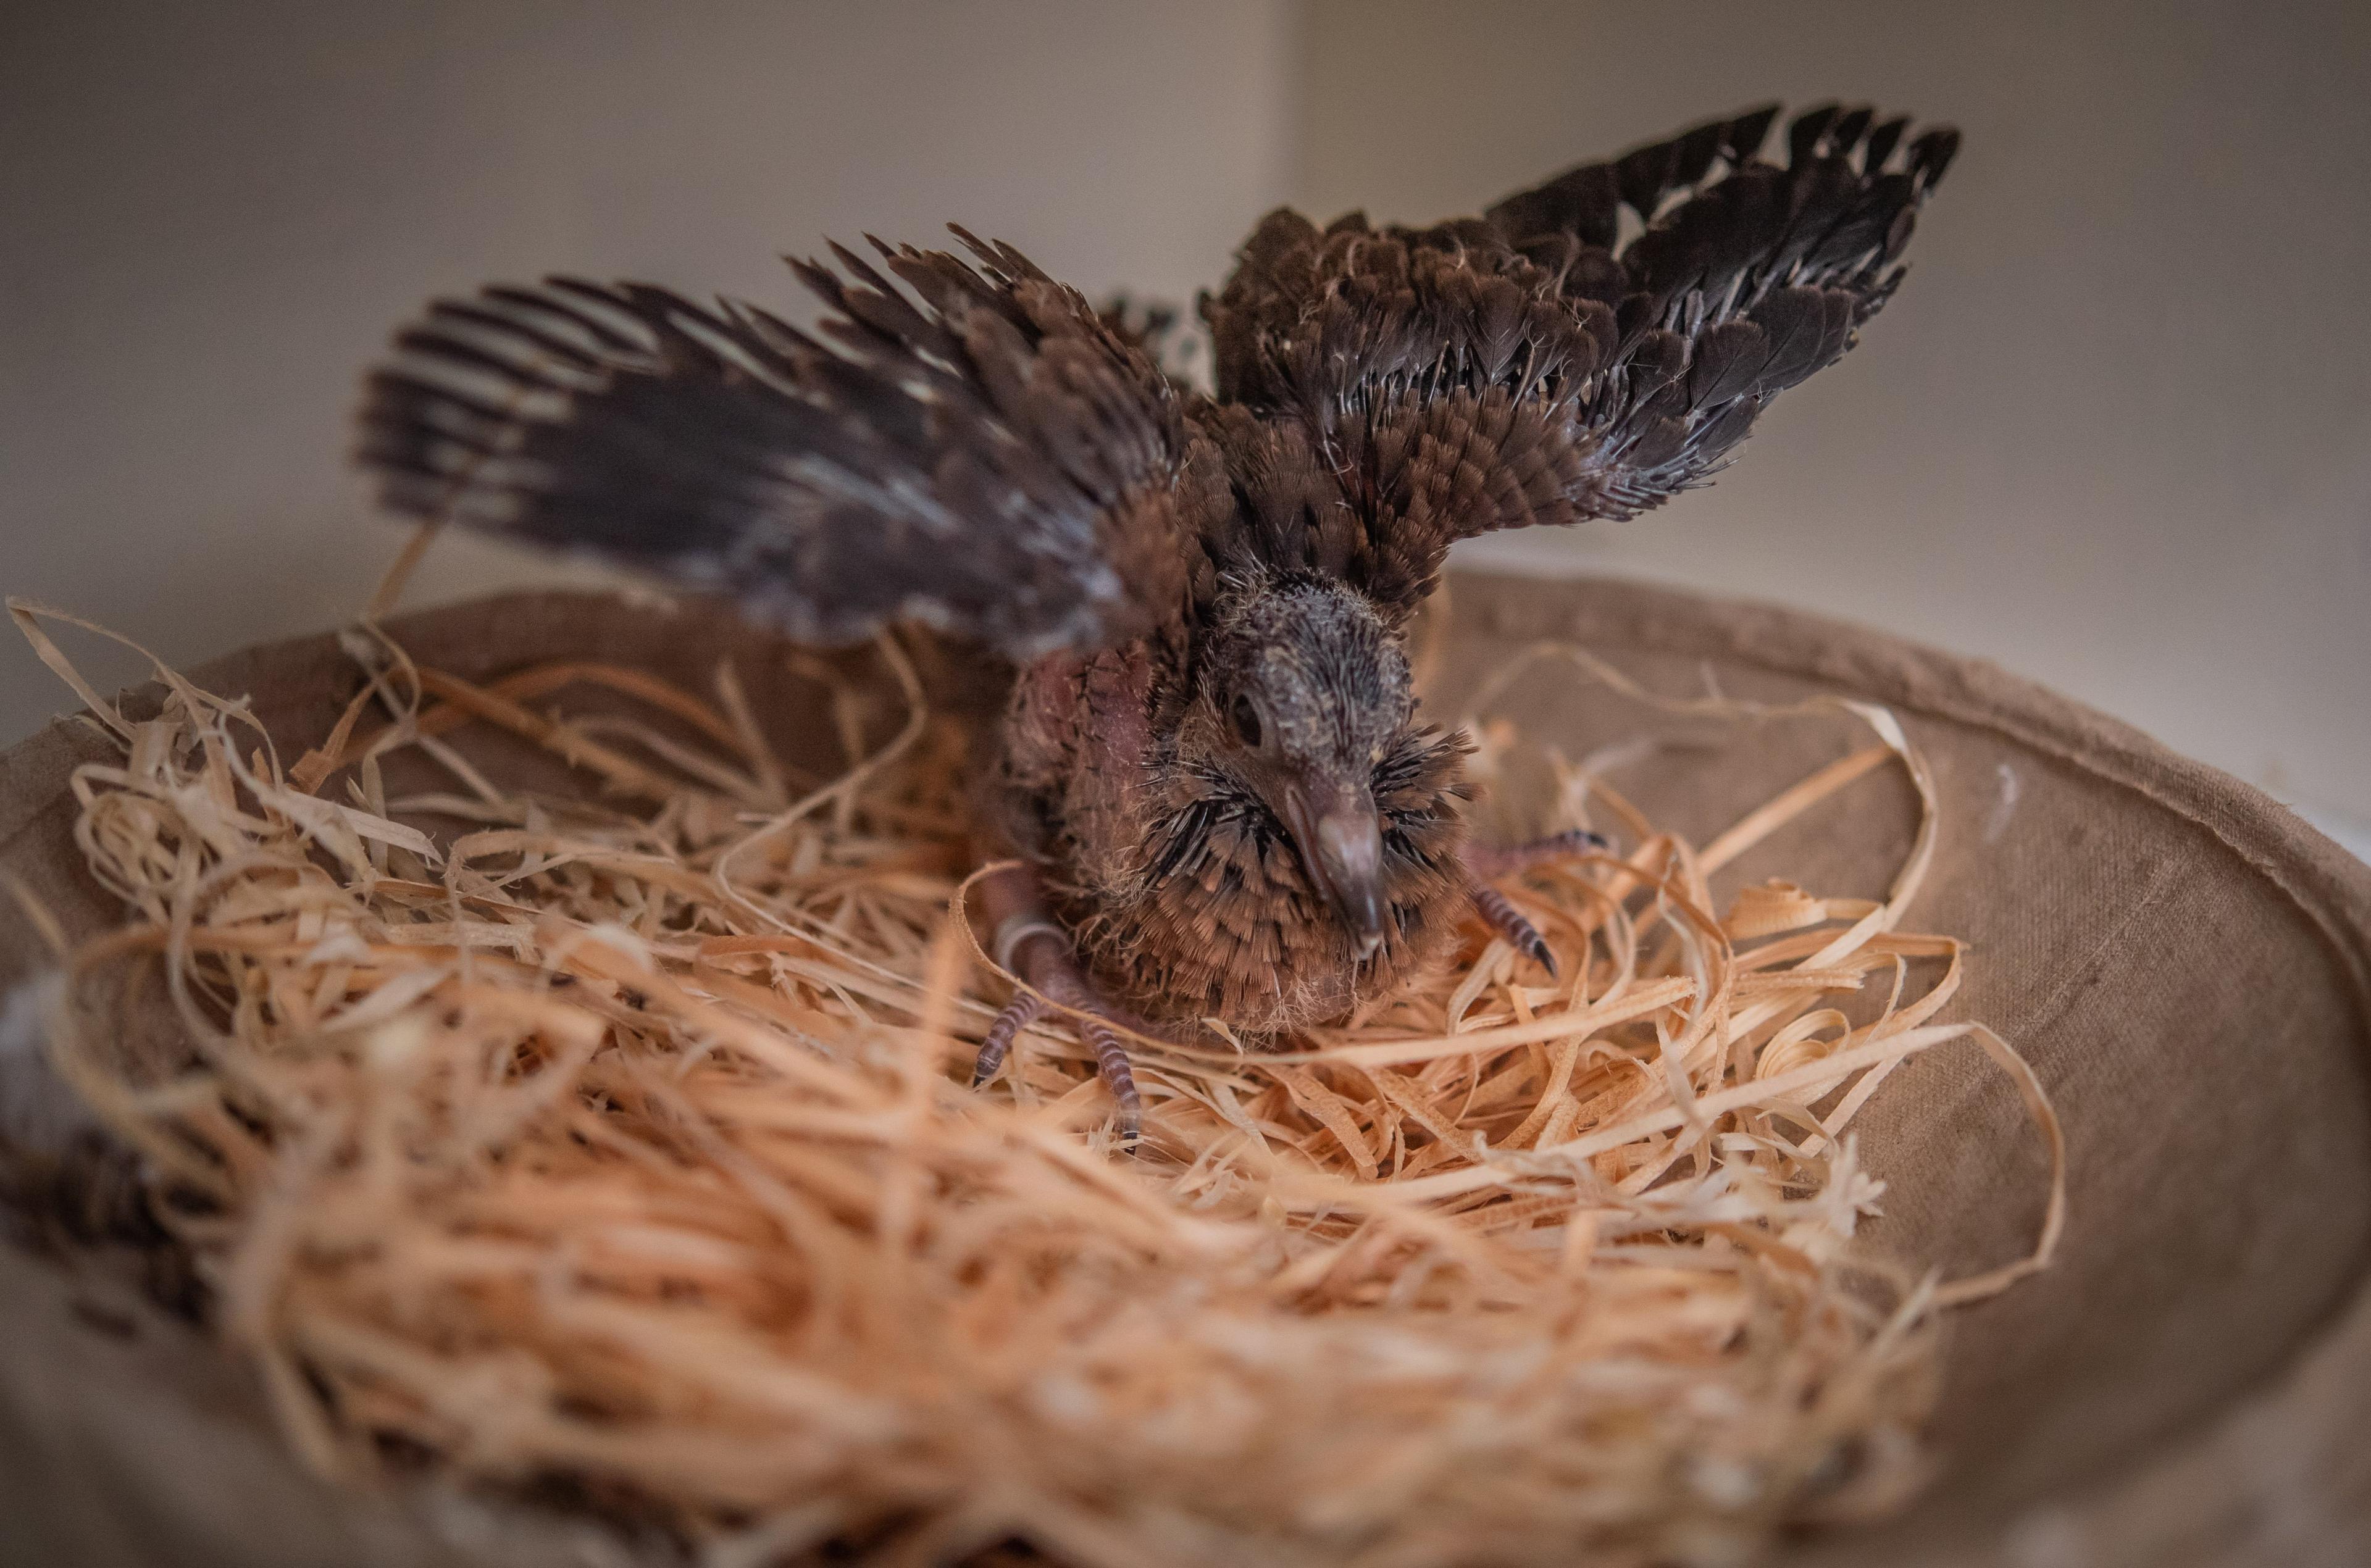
(621,1142)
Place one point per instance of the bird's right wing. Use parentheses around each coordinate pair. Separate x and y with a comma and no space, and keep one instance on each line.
(1526,366)
(990,461)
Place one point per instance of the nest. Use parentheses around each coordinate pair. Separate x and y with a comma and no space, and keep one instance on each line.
(617,1139)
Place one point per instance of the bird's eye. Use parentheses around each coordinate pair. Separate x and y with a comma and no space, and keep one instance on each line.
(1247,720)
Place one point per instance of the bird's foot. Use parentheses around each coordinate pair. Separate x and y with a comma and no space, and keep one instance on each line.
(1032,946)
(1485,862)
(1019,1014)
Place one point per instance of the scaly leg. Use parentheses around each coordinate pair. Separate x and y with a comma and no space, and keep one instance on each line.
(1018,1014)
(1485,862)
(1028,943)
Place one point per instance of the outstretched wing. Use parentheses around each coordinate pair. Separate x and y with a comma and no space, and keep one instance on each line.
(1525,368)
(989,459)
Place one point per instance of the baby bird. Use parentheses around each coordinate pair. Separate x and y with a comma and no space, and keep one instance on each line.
(1210,762)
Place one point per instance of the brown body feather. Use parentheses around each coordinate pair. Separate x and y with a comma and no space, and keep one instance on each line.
(1186,896)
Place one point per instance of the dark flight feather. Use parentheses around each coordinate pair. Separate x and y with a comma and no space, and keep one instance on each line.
(991,460)
(1517,368)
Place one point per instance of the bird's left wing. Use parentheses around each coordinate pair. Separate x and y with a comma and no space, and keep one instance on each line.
(989,458)
(1528,367)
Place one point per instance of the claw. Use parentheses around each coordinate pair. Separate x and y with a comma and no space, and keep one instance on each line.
(1060,980)
(1018,1014)
(1111,1063)
(1501,914)
(1485,862)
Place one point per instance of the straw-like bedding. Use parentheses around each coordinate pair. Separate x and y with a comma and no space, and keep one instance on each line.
(618,1140)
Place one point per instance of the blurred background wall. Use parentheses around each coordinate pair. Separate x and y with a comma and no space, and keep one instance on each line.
(212,216)
(2115,434)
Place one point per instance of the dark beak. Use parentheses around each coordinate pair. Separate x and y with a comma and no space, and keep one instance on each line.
(1341,843)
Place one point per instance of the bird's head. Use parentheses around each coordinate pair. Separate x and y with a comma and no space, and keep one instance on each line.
(1303,699)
